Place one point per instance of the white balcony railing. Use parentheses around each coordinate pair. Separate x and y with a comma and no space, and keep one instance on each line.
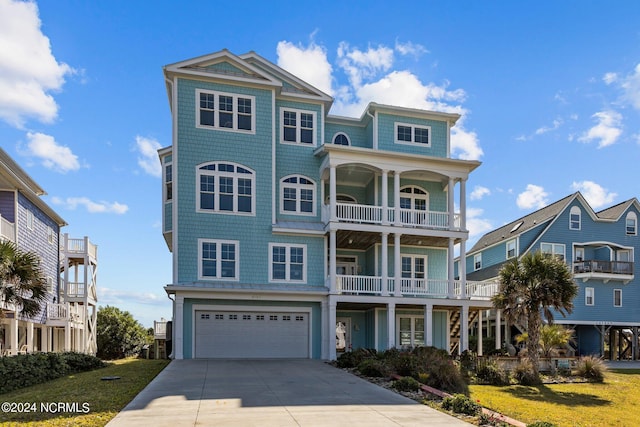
(160,330)
(369,214)
(66,312)
(430,288)
(78,246)
(76,289)
(7,230)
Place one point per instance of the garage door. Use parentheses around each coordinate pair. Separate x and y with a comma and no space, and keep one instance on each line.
(251,334)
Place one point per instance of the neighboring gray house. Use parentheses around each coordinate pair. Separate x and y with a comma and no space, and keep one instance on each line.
(67,321)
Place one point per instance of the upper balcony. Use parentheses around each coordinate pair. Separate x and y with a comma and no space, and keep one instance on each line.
(77,247)
(368,214)
(621,271)
(7,230)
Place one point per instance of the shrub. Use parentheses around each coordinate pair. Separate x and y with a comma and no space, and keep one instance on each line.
(541,424)
(460,404)
(523,373)
(402,363)
(592,368)
(373,368)
(406,384)
(488,372)
(24,370)
(352,359)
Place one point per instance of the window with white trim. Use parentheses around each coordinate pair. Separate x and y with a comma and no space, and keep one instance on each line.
(30,220)
(288,263)
(218,259)
(414,267)
(617,297)
(225,111)
(168,181)
(412,197)
(341,138)
(297,126)
(477,261)
(297,195)
(589,296)
(412,134)
(50,288)
(50,235)
(631,224)
(511,248)
(575,218)
(554,249)
(226,188)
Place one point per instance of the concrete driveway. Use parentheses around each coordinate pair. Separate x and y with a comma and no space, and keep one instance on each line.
(270,393)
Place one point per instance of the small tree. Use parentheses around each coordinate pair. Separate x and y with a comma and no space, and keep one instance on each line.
(552,338)
(21,280)
(532,286)
(118,334)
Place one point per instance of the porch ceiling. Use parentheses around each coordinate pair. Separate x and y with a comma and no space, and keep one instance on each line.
(361,240)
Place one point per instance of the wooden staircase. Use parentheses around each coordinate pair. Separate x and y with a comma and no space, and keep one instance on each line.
(455,326)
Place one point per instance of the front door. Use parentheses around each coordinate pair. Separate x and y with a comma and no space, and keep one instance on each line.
(411,331)
(343,334)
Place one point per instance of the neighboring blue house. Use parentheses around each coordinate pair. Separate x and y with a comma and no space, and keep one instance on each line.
(296,233)
(67,321)
(600,249)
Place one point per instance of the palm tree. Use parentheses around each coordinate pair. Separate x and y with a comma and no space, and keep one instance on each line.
(552,338)
(531,287)
(22,283)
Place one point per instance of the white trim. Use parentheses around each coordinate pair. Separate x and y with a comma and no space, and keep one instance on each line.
(589,292)
(506,246)
(614,297)
(287,262)
(333,138)
(29,220)
(476,262)
(218,276)
(413,257)
(217,174)
(413,128)
(575,210)
(234,112)
(298,127)
(631,215)
(553,249)
(298,187)
(258,308)
(274,194)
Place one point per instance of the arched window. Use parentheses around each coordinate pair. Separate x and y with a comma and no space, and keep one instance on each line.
(297,195)
(225,187)
(415,198)
(631,224)
(341,139)
(575,218)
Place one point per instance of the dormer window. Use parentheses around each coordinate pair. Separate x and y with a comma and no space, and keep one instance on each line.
(341,139)
(575,218)
(511,249)
(631,224)
(412,134)
(477,262)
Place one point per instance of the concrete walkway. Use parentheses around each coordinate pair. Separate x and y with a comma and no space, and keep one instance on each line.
(270,393)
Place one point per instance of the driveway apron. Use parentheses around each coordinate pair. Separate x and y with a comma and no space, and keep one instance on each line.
(299,392)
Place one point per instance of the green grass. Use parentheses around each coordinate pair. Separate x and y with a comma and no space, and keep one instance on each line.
(616,402)
(104,398)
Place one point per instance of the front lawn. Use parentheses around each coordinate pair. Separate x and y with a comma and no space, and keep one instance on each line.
(82,399)
(616,402)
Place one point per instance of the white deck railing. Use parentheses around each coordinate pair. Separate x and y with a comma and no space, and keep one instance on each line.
(78,246)
(7,229)
(431,288)
(75,289)
(369,214)
(160,330)
(65,311)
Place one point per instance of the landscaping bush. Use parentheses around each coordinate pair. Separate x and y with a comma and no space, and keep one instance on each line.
(403,363)
(488,372)
(373,368)
(523,373)
(352,359)
(461,404)
(592,368)
(406,384)
(24,370)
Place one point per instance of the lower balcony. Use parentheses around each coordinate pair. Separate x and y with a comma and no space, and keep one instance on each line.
(427,288)
(65,312)
(369,214)
(604,270)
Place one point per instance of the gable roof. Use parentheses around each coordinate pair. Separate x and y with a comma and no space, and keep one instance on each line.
(524,223)
(615,212)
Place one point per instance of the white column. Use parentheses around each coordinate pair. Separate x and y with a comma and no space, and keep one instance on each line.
(450,205)
(385,197)
(44,346)
(332,193)
(324,330)
(397,266)
(391,325)
(178,328)
(480,332)
(29,341)
(428,325)
(332,262)
(332,328)
(450,268)
(498,330)
(396,198)
(463,204)
(13,331)
(464,328)
(67,337)
(462,269)
(384,264)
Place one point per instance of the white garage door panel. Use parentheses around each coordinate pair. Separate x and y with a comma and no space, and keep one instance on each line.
(251,334)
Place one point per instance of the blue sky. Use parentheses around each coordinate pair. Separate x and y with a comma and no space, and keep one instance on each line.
(549,94)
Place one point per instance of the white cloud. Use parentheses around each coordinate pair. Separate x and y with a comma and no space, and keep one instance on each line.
(533,197)
(544,129)
(371,79)
(148,155)
(609,78)
(28,69)
(310,64)
(54,156)
(606,131)
(92,207)
(630,84)
(410,48)
(116,296)
(476,225)
(595,195)
(479,192)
